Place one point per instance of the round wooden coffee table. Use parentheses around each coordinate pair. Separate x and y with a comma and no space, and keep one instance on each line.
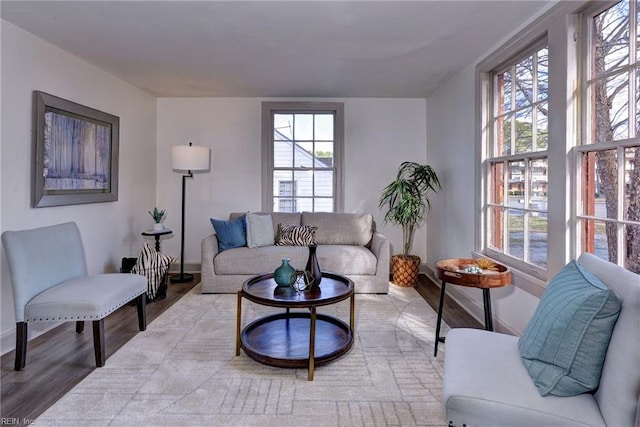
(295,339)
(449,271)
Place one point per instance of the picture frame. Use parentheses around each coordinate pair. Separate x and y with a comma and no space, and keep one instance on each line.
(76,153)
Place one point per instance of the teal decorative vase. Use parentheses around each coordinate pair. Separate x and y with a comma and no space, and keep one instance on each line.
(282,274)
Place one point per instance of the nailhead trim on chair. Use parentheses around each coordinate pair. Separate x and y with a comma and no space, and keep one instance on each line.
(100,316)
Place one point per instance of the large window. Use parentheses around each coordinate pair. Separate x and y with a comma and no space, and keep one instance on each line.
(608,212)
(302,156)
(515,160)
(559,142)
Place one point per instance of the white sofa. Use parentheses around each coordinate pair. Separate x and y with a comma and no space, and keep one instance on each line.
(348,244)
(486,383)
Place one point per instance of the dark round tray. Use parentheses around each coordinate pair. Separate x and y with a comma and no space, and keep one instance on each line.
(282,340)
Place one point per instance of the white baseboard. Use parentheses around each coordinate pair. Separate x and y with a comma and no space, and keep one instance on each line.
(189,267)
(35,329)
(8,341)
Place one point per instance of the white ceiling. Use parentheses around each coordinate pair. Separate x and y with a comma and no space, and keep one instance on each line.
(276,48)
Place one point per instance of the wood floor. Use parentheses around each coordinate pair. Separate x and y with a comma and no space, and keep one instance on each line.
(60,358)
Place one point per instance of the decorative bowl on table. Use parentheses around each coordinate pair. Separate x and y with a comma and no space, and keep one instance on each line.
(472,272)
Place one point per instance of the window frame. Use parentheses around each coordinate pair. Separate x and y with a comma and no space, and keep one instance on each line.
(488,158)
(585,146)
(560,25)
(564,26)
(270,108)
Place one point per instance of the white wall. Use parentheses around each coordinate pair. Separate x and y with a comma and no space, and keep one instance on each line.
(109,230)
(451,146)
(379,135)
(450,140)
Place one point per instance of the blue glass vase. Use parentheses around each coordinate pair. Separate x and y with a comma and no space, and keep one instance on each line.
(282,274)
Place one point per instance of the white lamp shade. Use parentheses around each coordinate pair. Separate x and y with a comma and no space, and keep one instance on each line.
(190,157)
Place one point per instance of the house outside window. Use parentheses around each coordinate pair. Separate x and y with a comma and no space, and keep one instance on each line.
(302,156)
(286,193)
(608,176)
(515,161)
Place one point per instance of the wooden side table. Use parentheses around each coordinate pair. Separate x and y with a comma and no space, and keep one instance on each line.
(157,234)
(447,270)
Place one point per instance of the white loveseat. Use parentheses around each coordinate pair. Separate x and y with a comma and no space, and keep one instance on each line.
(347,244)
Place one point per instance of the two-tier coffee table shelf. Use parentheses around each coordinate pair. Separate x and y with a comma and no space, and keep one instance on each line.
(296,339)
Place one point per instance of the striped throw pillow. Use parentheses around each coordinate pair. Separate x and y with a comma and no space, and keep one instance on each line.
(154,265)
(295,235)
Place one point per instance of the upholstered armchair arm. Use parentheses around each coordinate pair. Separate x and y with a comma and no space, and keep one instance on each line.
(382,250)
(209,251)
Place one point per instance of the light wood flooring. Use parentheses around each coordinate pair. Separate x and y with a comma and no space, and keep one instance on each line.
(60,358)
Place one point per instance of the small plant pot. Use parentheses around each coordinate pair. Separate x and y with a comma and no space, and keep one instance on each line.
(158,226)
(405,270)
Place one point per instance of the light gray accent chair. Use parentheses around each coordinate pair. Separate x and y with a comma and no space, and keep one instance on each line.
(50,283)
(486,384)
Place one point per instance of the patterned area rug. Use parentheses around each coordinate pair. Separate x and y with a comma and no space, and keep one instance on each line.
(182,371)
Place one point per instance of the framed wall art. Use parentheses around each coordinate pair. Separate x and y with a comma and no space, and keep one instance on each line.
(76,153)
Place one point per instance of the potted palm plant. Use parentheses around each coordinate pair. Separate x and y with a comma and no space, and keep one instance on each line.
(407,202)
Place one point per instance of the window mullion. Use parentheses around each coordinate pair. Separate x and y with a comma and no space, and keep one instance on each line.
(512,142)
(525,213)
(505,208)
(534,104)
(632,32)
(620,200)
(313,162)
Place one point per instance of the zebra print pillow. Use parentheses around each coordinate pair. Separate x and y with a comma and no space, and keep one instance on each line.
(295,235)
(154,265)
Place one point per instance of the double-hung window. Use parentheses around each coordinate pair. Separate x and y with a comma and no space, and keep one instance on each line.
(608,158)
(549,193)
(515,160)
(302,156)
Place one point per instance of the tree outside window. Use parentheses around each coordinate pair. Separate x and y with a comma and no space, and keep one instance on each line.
(609,207)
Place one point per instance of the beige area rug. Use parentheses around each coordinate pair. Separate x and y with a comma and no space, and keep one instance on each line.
(182,371)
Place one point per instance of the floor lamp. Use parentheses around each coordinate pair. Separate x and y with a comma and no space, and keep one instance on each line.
(187,158)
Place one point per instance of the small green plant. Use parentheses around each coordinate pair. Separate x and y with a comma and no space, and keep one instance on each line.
(157,215)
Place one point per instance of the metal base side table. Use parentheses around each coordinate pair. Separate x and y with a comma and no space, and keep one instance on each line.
(157,234)
(448,271)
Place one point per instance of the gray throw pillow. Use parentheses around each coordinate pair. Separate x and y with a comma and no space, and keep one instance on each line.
(340,228)
(259,230)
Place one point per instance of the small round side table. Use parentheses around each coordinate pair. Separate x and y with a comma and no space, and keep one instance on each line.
(448,270)
(157,234)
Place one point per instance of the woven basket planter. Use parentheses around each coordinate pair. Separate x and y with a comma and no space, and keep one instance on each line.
(405,270)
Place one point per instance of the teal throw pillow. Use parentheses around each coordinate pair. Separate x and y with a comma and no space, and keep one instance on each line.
(231,233)
(564,345)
